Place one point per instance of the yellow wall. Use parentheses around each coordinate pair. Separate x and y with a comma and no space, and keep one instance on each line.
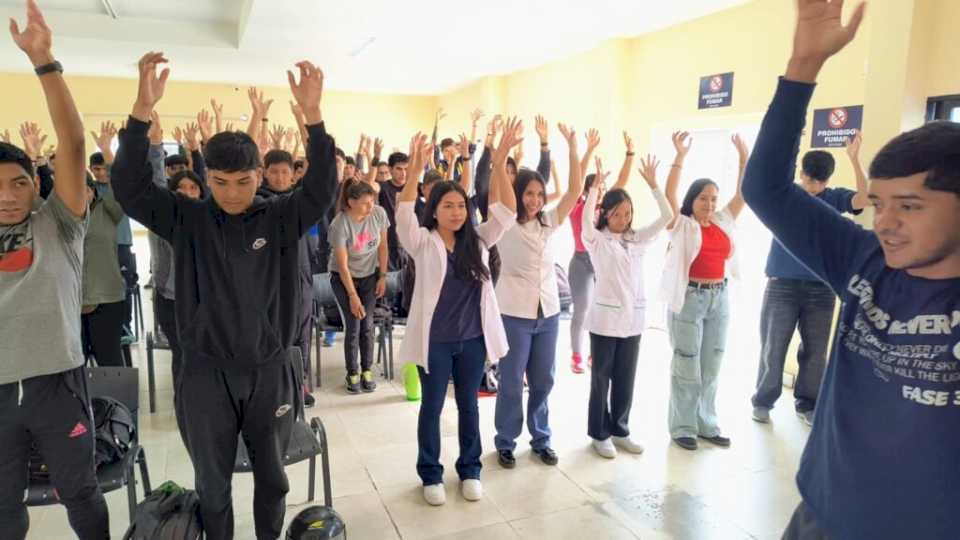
(99,99)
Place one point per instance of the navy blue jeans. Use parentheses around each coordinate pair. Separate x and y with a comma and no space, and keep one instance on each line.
(533,352)
(788,304)
(465,360)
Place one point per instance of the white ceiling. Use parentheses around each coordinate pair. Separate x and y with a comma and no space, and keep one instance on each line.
(385,46)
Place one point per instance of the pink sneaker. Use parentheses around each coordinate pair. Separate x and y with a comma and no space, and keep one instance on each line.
(576,363)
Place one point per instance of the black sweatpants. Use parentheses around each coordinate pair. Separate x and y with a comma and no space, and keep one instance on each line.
(167,318)
(358,335)
(612,375)
(54,411)
(214,406)
(102,330)
(306,324)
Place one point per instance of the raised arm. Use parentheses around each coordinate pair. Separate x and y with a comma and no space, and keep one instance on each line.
(319,184)
(862,199)
(593,141)
(36,40)
(132,174)
(258,119)
(648,170)
(575,183)
(624,175)
(543,166)
(501,191)
(155,154)
(588,233)
(682,141)
(301,123)
(409,232)
(466,160)
(736,203)
(555,180)
(816,235)
(104,140)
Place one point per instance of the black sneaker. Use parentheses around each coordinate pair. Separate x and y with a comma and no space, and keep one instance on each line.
(353,384)
(366,381)
(547,456)
(506,459)
(723,442)
(308,400)
(687,443)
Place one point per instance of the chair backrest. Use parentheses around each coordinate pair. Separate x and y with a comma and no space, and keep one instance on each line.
(323,290)
(119,383)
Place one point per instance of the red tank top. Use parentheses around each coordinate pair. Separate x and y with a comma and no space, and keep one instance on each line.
(710,262)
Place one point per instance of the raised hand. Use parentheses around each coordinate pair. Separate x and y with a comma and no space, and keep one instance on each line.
(190,135)
(511,137)
(628,142)
(440,116)
(217,114)
(308,92)
(32,140)
(151,86)
(229,126)
(743,152)
(543,131)
(261,107)
(288,141)
(5,136)
(569,134)
(156,130)
(648,170)
(178,135)
(464,146)
(377,147)
(681,143)
(593,139)
(205,123)
(475,117)
(419,150)
(276,136)
(103,139)
(36,39)
(820,32)
(494,125)
(601,179)
(853,145)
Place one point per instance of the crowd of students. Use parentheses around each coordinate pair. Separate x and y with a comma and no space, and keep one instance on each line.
(240,223)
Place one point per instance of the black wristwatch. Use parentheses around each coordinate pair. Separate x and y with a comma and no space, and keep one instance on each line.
(49,68)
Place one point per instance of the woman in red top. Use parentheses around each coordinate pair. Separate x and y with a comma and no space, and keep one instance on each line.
(580,272)
(700,253)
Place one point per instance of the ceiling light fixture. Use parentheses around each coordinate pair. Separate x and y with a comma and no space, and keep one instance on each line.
(108,5)
(356,52)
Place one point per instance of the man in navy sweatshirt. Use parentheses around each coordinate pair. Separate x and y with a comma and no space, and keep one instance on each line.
(238,296)
(882,458)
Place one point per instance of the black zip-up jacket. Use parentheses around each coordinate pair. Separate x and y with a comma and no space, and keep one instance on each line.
(238,294)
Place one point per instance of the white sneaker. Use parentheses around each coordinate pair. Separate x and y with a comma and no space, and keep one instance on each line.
(605,448)
(434,494)
(761,414)
(472,489)
(626,443)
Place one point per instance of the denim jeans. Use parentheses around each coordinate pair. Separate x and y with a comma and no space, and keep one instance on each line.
(698,335)
(533,352)
(465,360)
(788,303)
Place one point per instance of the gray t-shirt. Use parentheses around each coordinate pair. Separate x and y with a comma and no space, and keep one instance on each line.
(361,240)
(102,281)
(41,261)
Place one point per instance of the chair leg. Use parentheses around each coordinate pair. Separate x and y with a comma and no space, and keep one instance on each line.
(319,352)
(127,357)
(311,491)
(144,473)
(131,491)
(390,348)
(321,433)
(151,378)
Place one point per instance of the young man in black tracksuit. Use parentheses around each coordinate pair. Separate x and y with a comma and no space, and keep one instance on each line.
(238,296)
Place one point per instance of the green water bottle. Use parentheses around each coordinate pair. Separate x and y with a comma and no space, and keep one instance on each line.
(411,381)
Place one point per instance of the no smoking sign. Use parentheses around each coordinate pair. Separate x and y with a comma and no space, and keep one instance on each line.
(838,118)
(832,127)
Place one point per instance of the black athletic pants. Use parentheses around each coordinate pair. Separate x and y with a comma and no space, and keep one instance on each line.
(214,406)
(102,330)
(52,410)
(358,334)
(128,269)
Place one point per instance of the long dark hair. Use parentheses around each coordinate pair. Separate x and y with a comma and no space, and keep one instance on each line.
(611,200)
(524,177)
(353,189)
(587,185)
(693,192)
(468,262)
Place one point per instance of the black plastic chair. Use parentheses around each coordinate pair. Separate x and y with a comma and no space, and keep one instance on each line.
(121,384)
(306,442)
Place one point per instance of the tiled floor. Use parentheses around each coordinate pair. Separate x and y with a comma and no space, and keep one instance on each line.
(746,491)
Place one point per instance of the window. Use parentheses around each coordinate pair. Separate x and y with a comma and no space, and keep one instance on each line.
(944,108)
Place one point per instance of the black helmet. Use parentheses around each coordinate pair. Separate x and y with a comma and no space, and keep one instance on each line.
(317,523)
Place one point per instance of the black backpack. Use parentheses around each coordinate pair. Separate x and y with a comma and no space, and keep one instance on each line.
(170,512)
(115,430)
(317,523)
